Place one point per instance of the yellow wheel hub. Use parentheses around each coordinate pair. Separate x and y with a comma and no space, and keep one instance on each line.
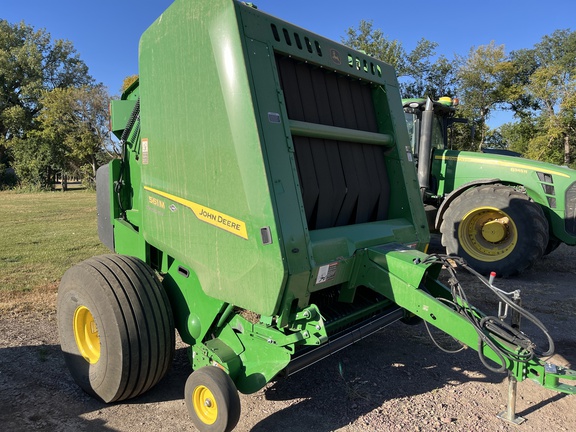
(86,334)
(487,234)
(204,404)
(495,231)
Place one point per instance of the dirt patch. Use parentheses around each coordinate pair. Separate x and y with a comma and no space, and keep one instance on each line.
(394,380)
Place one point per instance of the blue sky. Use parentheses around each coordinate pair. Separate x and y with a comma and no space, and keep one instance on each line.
(105,33)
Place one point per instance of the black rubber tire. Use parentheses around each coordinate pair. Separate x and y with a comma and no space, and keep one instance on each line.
(133,322)
(224,403)
(553,244)
(531,233)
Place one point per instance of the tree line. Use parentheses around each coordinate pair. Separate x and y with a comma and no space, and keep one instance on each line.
(54,115)
(538,85)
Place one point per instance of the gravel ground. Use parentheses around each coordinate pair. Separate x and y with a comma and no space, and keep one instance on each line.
(394,380)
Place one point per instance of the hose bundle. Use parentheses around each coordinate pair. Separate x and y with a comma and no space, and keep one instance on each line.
(486,327)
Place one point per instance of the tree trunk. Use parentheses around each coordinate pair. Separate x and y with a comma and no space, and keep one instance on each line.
(566,150)
(482,135)
(94,164)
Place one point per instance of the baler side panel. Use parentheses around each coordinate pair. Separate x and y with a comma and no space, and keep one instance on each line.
(324,83)
(206,196)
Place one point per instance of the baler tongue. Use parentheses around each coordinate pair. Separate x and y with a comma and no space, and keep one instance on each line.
(407,277)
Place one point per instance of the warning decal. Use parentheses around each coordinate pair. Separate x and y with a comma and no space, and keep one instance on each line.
(326,273)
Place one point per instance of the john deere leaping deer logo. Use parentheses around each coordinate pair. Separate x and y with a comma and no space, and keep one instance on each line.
(335,56)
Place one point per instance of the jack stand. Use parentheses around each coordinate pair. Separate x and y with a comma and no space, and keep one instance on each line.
(510,414)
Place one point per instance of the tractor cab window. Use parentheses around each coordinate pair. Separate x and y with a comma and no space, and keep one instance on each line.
(413,123)
(437,133)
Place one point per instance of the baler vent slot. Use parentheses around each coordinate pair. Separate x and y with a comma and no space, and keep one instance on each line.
(343,179)
(359,64)
(310,47)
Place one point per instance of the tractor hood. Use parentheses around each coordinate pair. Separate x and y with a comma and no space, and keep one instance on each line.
(501,164)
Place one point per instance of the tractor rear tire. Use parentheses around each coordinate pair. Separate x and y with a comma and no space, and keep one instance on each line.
(212,400)
(116,326)
(553,244)
(495,228)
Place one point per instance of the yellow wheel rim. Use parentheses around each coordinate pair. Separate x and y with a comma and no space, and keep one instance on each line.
(86,334)
(204,405)
(487,234)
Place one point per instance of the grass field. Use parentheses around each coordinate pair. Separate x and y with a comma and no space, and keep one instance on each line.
(41,236)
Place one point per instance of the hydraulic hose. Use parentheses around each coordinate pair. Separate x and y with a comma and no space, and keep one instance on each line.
(490,325)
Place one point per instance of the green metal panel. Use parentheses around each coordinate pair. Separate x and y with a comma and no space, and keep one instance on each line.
(194,311)
(120,111)
(206,193)
(278,157)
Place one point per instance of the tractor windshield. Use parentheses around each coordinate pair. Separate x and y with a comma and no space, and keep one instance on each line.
(413,122)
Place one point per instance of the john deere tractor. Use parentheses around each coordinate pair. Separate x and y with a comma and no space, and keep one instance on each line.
(499,212)
(265,206)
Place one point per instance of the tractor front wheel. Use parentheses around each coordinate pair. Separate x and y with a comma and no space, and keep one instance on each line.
(495,228)
(212,400)
(116,327)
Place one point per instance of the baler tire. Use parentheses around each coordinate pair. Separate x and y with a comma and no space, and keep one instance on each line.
(518,240)
(116,326)
(212,400)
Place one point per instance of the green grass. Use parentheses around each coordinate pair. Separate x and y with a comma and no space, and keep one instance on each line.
(44,234)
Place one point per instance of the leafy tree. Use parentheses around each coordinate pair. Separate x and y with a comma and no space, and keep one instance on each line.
(517,135)
(524,65)
(418,75)
(373,42)
(494,139)
(463,136)
(128,81)
(552,87)
(486,81)
(33,160)
(30,64)
(73,124)
(437,81)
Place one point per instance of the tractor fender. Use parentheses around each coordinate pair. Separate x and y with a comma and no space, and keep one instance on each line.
(457,192)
